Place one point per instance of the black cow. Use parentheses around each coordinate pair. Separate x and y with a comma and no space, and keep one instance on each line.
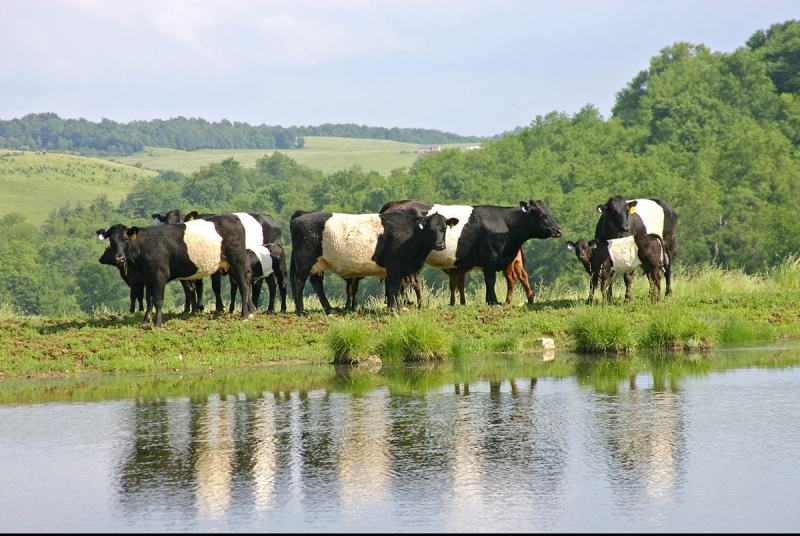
(275,276)
(189,250)
(392,245)
(487,237)
(192,290)
(602,258)
(621,218)
(132,277)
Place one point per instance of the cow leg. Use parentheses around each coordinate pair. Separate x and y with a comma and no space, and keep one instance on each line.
(654,275)
(417,289)
(242,278)
(453,285)
(510,282)
(628,286)
(256,293)
(198,292)
(354,288)
(158,299)
(272,286)
(592,287)
(526,284)
(668,277)
(132,295)
(605,287)
(216,286)
(316,283)
(298,283)
(234,288)
(461,278)
(393,286)
(489,278)
(281,280)
(348,293)
(188,297)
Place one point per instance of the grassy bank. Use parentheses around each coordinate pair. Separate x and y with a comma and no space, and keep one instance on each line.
(709,307)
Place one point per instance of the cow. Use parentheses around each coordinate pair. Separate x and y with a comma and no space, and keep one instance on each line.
(190,250)
(392,245)
(516,272)
(264,230)
(132,277)
(621,218)
(192,290)
(487,238)
(603,258)
(269,265)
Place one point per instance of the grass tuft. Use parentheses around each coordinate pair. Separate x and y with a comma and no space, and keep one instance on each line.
(413,339)
(349,340)
(674,329)
(602,329)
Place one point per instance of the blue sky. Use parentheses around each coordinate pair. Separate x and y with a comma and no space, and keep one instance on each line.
(470,67)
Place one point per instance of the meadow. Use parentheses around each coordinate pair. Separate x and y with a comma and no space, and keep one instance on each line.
(327,154)
(710,307)
(35,183)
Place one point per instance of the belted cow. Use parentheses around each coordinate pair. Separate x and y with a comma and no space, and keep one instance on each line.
(190,250)
(487,237)
(602,258)
(621,218)
(392,245)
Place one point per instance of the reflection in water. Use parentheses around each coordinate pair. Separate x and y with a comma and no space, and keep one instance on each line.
(463,447)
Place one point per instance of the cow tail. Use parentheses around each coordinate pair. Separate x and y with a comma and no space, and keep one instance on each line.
(664,256)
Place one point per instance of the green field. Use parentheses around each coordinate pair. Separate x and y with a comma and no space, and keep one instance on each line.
(323,153)
(35,183)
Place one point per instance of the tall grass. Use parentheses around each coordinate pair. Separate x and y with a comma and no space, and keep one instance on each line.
(675,329)
(786,275)
(413,339)
(602,329)
(349,340)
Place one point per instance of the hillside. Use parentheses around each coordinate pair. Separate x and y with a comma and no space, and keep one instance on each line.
(326,154)
(34,183)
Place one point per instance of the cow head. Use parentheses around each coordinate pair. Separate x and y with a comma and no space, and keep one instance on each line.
(434,228)
(583,250)
(173,216)
(617,213)
(118,251)
(538,220)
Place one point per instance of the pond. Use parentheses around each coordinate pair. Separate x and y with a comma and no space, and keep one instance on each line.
(706,442)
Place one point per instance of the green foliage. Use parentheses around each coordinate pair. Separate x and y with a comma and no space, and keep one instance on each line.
(603,329)
(413,339)
(350,341)
(673,329)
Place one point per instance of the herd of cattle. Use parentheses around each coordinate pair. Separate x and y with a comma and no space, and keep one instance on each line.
(393,244)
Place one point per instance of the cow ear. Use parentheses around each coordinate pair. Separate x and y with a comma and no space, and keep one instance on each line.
(593,245)
(452,222)
(524,206)
(420,222)
(133,232)
(631,206)
(600,208)
(193,215)
(101,234)
(570,244)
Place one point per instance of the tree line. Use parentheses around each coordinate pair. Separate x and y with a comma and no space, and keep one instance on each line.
(48,131)
(715,134)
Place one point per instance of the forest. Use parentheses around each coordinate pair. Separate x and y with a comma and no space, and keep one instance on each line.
(47,131)
(716,134)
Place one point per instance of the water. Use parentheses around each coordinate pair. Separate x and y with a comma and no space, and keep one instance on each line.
(686,443)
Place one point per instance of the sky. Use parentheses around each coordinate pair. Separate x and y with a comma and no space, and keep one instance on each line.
(471,67)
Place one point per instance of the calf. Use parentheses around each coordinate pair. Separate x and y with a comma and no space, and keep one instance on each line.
(392,245)
(268,264)
(624,218)
(132,277)
(190,250)
(602,258)
(487,238)
(516,272)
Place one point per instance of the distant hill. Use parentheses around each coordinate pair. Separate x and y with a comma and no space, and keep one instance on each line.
(327,154)
(48,131)
(34,183)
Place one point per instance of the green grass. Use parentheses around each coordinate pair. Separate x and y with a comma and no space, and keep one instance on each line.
(751,308)
(35,183)
(324,153)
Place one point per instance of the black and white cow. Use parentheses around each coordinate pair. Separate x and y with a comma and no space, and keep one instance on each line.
(603,258)
(192,290)
(190,250)
(392,245)
(132,277)
(621,218)
(260,230)
(269,265)
(487,238)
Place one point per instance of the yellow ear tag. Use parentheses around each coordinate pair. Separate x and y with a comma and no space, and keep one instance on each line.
(633,210)
(134,236)
(190,219)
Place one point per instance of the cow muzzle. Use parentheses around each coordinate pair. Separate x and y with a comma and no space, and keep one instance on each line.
(439,246)
(556,233)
